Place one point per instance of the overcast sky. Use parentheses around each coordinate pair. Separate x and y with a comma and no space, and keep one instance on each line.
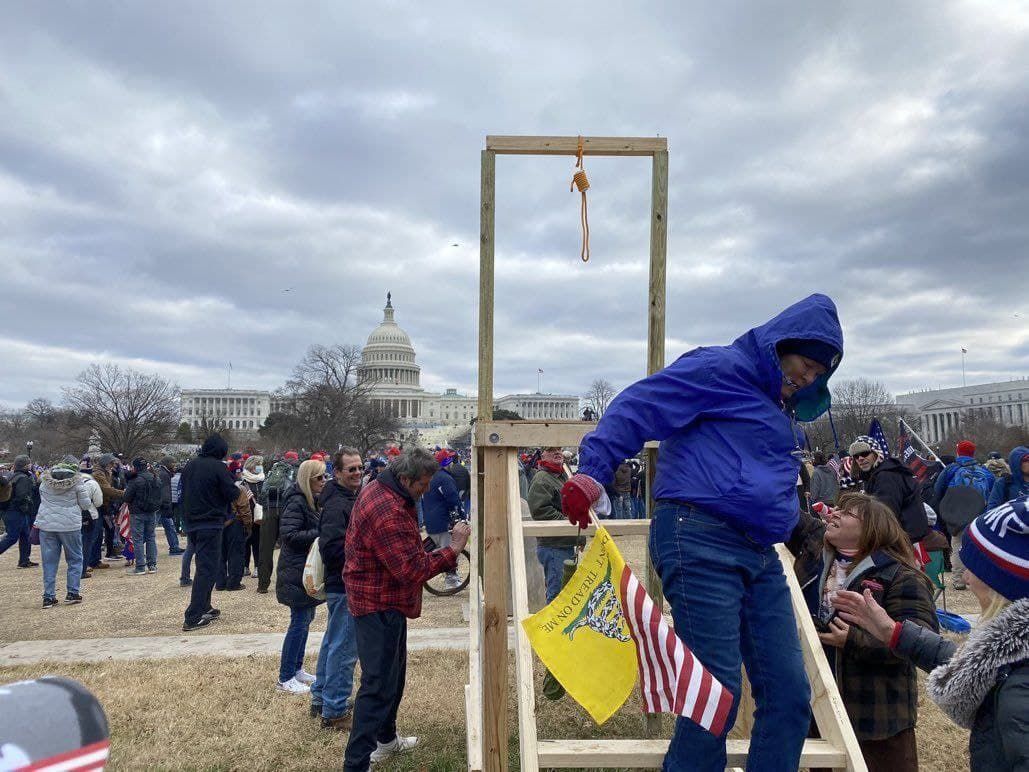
(168,169)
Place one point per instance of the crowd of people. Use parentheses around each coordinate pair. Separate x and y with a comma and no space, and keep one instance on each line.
(366,516)
(732,480)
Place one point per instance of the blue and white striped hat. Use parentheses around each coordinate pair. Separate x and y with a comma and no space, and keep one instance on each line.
(995,548)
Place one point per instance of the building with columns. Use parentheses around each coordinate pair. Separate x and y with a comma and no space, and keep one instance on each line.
(941,411)
(541,406)
(390,369)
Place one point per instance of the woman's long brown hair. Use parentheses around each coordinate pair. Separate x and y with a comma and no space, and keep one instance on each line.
(880,530)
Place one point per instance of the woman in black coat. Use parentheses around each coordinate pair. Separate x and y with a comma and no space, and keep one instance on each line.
(298,528)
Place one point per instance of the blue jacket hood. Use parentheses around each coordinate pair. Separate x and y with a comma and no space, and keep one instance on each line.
(813,318)
(1015,462)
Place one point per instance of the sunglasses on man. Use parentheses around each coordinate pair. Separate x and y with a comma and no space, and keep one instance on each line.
(864,454)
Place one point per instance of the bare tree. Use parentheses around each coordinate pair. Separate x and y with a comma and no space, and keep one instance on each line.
(987,433)
(856,402)
(369,427)
(128,410)
(599,396)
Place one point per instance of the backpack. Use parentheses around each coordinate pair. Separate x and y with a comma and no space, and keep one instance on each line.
(151,499)
(965,498)
(280,477)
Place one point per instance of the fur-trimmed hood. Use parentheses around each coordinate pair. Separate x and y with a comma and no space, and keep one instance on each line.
(59,479)
(960,686)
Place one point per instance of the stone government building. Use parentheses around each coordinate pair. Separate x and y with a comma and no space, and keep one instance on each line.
(941,411)
(389,366)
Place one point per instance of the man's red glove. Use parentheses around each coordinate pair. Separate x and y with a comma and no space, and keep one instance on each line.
(577,496)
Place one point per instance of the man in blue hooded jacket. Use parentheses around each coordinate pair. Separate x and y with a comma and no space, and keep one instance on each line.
(725,493)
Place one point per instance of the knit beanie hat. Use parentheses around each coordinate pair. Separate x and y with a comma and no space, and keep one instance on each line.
(22,463)
(106,460)
(823,353)
(863,444)
(966,448)
(995,547)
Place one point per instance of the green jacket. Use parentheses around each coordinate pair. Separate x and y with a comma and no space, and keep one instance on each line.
(545,504)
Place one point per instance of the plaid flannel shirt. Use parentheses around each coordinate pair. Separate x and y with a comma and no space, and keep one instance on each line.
(386,564)
(878,687)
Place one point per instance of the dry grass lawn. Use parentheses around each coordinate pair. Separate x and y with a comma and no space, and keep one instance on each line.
(119,605)
(224,714)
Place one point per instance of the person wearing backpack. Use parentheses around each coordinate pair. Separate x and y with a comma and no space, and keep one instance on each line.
(17,512)
(1014,484)
(277,482)
(143,495)
(962,490)
(892,483)
(165,472)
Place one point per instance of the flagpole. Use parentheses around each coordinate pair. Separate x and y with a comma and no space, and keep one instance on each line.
(911,432)
(964,383)
(539,381)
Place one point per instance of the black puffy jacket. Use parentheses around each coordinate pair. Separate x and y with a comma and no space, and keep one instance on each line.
(893,484)
(207,487)
(298,528)
(336,503)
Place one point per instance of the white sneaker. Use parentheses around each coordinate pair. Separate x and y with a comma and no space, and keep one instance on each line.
(304,677)
(253,574)
(293,686)
(397,745)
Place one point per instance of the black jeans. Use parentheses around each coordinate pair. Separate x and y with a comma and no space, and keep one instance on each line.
(269,535)
(252,547)
(208,546)
(230,567)
(382,651)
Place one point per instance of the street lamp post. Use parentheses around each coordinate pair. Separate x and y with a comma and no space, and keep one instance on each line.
(28,447)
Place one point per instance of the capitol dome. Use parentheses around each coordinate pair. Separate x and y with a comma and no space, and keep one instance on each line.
(388,358)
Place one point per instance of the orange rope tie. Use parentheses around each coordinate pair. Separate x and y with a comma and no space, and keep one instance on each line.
(579,181)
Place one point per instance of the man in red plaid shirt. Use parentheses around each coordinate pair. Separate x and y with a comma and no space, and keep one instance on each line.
(386,566)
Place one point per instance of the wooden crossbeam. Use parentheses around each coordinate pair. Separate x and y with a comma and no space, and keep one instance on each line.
(609,146)
(649,754)
(564,528)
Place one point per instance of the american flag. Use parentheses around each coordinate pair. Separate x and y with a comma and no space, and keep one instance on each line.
(672,679)
(91,757)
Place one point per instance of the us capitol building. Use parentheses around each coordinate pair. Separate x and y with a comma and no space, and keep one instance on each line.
(389,368)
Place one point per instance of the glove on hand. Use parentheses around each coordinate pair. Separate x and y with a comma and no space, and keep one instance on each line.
(578,495)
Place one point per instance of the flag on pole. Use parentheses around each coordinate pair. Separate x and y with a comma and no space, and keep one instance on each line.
(605,618)
(964,350)
(875,431)
(919,467)
(540,370)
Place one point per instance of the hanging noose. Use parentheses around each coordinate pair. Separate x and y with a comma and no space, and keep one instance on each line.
(579,181)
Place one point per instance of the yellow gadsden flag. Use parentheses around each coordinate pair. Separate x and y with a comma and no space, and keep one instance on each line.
(582,636)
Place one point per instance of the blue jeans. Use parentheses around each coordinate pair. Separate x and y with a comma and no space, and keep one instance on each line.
(295,642)
(553,561)
(731,606)
(50,545)
(144,540)
(336,659)
(89,540)
(170,532)
(17,525)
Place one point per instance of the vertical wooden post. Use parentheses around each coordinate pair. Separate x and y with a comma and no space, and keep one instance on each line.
(656,346)
(495,592)
(487,222)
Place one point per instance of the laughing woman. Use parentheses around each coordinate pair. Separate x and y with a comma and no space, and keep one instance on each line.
(298,528)
(866,548)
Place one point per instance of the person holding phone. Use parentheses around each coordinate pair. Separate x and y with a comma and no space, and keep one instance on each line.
(867,549)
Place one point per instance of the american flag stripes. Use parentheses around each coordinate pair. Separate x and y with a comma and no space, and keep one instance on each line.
(91,757)
(672,679)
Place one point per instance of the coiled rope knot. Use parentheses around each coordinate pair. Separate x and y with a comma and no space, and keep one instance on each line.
(579,181)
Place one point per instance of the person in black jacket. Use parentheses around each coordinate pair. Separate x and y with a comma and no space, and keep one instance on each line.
(143,495)
(298,528)
(207,493)
(334,678)
(892,483)
(165,471)
(17,511)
